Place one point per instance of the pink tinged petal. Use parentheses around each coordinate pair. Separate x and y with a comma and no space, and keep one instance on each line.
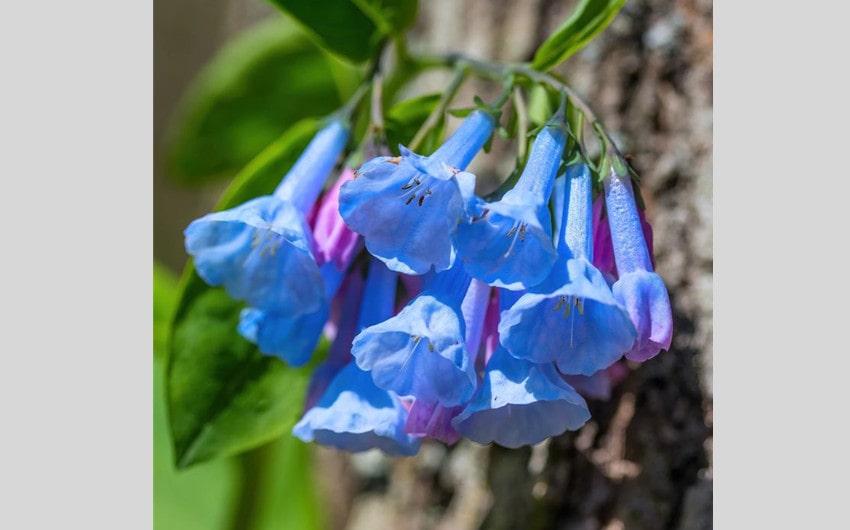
(334,241)
(645,297)
(433,420)
(603,248)
(520,403)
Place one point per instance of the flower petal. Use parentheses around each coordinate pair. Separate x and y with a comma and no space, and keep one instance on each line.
(507,243)
(520,403)
(420,352)
(355,415)
(580,325)
(645,297)
(260,252)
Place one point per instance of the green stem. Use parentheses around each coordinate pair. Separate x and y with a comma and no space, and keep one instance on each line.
(254,467)
(345,112)
(376,114)
(494,70)
(436,115)
(522,125)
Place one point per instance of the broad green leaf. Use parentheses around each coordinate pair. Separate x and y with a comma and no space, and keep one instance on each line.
(164,300)
(195,499)
(390,16)
(339,25)
(406,117)
(224,396)
(588,19)
(252,91)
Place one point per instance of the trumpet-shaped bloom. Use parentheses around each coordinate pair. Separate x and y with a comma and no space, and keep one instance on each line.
(571,318)
(508,243)
(421,351)
(433,419)
(638,287)
(294,337)
(520,403)
(408,207)
(261,250)
(603,248)
(355,415)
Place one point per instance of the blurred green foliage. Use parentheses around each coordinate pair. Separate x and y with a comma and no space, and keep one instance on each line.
(255,89)
(212,495)
(353,29)
(586,21)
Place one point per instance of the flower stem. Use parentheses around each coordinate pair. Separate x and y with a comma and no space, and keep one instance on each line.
(254,467)
(376,115)
(495,70)
(522,125)
(344,113)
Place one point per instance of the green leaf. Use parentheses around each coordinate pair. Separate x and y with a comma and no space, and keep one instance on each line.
(193,499)
(252,91)
(588,19)
(405,118)
(224,396)
(338,25)
(391,16)
(164,300)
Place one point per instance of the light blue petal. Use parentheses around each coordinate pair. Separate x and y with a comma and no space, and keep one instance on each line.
(520,403)
(354,415)
(645,297)
(304,180)
(260,252)
(581,326)
(405,216)
(420,352)
(292,339)
(507,243)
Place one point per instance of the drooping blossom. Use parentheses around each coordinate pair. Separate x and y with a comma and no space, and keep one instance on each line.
(261,250)
(572,317)
(293,338)
(353,413)
(431,419)
(407,208)
(508,243)
(420,352)
(520,402)
(638,287)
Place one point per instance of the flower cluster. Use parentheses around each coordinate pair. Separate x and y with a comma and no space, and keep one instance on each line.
(488,320)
